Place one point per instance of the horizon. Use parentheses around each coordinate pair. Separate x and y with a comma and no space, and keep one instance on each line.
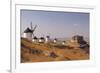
(56,24)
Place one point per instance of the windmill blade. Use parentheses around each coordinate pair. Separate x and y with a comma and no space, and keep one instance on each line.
(31,26)
(34,28)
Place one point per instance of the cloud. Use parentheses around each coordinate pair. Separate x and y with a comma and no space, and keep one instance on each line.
(75,24)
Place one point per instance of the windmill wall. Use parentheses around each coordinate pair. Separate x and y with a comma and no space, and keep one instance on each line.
(28,36)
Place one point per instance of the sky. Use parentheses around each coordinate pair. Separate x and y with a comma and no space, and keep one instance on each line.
(56,24)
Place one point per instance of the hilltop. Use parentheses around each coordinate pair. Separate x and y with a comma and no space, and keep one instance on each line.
(44,52)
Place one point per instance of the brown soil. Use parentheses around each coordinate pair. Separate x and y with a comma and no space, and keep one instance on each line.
(41,52)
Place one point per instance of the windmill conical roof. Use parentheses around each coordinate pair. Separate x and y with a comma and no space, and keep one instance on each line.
(28,30)
(35,37)
(41,37)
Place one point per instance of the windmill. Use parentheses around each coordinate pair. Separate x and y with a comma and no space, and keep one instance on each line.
(33,29)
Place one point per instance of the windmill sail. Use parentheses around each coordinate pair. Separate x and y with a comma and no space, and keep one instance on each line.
(33,29)
(31,26)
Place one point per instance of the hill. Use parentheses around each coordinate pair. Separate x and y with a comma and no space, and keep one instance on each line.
(44,52)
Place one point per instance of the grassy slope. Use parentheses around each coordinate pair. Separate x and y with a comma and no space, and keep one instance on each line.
(63,54)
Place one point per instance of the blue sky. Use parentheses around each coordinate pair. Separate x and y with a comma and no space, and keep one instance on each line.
(56,24)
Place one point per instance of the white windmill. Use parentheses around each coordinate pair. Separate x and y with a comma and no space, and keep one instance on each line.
(63,42)
(47,39)
(29,32)
(55,40)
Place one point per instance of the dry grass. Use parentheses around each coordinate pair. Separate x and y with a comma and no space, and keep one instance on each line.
(40,52)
